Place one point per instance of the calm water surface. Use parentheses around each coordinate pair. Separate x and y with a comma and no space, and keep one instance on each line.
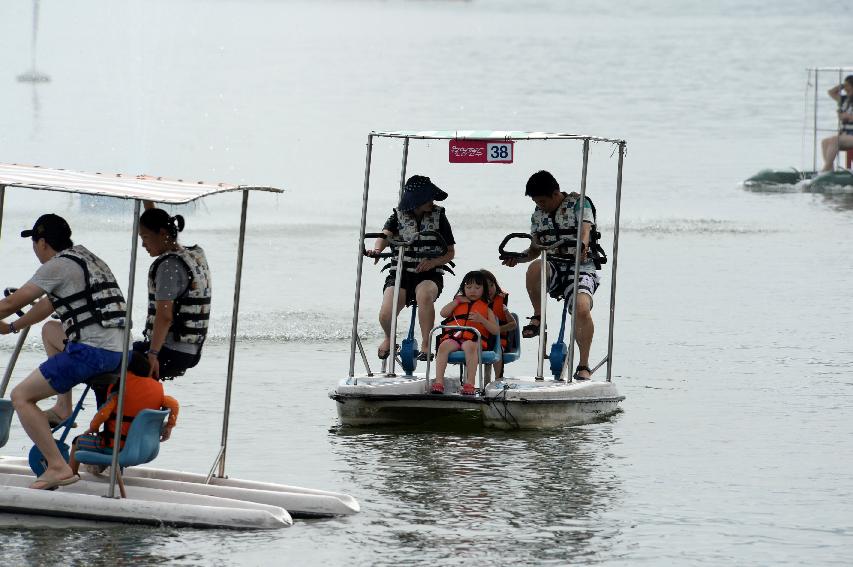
(733,325)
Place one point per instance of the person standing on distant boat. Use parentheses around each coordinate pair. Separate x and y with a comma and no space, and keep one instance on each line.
(844,139)
(423,278)
(556,216)
(179,294)
(82,290)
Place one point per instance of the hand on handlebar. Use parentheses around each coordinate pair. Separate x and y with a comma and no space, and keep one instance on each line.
(373,254)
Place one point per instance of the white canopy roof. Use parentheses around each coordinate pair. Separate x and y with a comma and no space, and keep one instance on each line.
(157,189)
(490,135)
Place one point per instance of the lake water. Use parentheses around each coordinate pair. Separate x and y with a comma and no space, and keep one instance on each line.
(733,323)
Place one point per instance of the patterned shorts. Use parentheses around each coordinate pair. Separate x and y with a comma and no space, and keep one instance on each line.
(561,280)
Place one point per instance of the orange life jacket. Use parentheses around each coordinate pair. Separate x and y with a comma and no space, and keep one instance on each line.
(460,317)
(140,393)
(498,307)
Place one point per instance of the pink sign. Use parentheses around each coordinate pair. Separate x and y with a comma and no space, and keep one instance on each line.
(480,151)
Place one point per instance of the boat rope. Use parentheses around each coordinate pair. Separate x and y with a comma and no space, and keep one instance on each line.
(505,414)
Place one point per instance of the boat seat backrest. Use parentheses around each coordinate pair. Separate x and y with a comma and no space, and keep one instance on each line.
(103,380)
(141,446)
(513,347)
(6,412)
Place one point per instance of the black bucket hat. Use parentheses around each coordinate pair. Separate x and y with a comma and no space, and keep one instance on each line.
(49,226)
(417,191)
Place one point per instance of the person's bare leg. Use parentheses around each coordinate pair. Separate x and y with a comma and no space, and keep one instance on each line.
(385,314)
(444,350)
(533,281)
(425,294)
(471,361)
(24,397)
(829,149)
(584,329)
(53,339)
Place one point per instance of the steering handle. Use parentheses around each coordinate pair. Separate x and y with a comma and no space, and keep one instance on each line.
(400,243)
(9,291)
(502,252)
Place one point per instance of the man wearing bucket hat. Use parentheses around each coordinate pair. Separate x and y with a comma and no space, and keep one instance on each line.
(423,278)
(82,290)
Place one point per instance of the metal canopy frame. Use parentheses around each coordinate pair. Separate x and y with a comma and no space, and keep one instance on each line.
(139,188)
(840,73)
(494,135)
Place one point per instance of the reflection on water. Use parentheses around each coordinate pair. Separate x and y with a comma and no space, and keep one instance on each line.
(450,496)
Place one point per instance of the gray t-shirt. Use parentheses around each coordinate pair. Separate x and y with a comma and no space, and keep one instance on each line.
(170,282)
(63,277)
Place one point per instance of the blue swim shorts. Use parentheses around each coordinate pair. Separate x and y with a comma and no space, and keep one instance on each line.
(76,364)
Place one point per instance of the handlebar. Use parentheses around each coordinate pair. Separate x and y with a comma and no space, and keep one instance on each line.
(9,291)
(504,255)
(399,243)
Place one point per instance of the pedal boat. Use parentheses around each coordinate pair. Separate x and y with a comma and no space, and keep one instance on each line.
(810,180)
(154,496)
(533,402)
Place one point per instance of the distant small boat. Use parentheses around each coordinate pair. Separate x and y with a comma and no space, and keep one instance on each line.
(809,179)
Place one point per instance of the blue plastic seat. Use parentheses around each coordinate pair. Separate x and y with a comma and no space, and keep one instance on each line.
(141,446)
(488,356)
(513,351)
(6,412)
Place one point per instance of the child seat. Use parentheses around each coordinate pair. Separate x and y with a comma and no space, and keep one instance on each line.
(141,446)
(513,343)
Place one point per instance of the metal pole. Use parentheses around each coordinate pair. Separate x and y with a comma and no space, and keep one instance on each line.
(396,299)
(543,305)
(838,122)
(124,351)
(2,199)
(814,129)
(7,375)
(360,258)
(614,263)
(569,362)
(233,341)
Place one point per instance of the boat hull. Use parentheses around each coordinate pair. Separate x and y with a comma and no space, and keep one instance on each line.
(513,403)
(524,403)
(299,502)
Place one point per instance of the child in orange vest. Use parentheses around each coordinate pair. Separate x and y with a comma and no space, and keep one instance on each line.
(141,392)
(469,309)
(497,300)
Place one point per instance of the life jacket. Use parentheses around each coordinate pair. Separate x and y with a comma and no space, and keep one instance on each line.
(460,316)
(408,227)
(846,105)
(551,227)
(498,307)
(191,310)
(140,393)
(104,303)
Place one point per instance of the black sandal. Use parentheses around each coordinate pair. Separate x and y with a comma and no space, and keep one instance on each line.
(580,367)
(531,328)
(422,356)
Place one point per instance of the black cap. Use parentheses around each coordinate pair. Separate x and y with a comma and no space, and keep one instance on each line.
(419,190)
(49,226)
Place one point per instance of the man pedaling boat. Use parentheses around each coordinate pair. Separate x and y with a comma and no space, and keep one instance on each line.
(423,278)
(84,293)
(556,216)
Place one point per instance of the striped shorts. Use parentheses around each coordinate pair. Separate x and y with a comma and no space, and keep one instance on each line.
(561,280)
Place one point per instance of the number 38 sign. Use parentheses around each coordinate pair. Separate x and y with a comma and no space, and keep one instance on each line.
(480,151)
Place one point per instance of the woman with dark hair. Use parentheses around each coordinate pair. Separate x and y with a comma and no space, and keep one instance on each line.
(179,286)
(844,140)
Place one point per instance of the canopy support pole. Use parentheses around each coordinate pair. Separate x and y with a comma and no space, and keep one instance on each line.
(2,199)
(233,340)
(124,351)
(569,362)
(396,299)
(614,263)
(360,260)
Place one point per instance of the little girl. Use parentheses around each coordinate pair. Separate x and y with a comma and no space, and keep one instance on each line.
(470,309)
(497,300)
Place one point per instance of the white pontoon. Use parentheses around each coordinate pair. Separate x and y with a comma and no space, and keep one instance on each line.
(154,496)
(386,397)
